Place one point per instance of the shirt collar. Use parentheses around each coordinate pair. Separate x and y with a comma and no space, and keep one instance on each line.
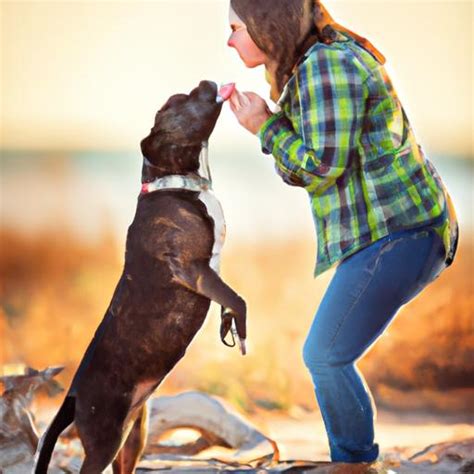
(340,37)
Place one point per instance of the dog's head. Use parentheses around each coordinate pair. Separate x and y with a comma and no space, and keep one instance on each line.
(181,126)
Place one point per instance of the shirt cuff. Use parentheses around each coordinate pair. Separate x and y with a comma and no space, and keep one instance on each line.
(271,129)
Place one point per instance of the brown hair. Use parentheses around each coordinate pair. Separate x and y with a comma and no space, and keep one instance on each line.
(285,29)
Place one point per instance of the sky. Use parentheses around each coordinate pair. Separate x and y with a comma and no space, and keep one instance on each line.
(90,75)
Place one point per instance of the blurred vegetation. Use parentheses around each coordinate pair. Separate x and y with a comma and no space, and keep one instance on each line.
(55,288)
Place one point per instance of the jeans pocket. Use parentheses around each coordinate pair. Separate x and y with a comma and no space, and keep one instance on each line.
(436,271)
(434,263)
(379,248)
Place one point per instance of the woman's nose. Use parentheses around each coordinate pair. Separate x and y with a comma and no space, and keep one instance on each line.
(230,41)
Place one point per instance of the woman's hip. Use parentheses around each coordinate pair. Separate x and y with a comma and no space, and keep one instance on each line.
(367,290)
(416,255)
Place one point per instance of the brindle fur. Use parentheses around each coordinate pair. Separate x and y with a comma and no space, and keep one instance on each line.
(161,299)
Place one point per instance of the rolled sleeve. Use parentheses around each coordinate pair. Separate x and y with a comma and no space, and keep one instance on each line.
(270,130)
(330,96)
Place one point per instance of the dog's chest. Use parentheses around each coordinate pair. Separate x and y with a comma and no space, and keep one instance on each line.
(206,196)
(214,210)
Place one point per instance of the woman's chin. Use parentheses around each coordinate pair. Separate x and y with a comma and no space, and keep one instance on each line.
(251,64)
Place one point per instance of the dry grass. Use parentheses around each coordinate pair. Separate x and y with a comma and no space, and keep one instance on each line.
(55,289)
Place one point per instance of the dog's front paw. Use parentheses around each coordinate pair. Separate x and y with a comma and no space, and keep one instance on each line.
(235,322)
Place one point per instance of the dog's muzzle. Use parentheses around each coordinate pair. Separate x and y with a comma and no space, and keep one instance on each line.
(225,92)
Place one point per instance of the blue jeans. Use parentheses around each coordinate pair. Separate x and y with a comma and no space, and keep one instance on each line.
(367,290)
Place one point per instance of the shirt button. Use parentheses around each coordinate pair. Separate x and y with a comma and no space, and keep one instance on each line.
(323,169)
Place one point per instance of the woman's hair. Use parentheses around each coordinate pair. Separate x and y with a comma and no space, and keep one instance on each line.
(285,29)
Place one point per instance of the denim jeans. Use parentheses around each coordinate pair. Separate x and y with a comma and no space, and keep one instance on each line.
(367,290)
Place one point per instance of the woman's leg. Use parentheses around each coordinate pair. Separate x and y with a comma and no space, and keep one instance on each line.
(367,290)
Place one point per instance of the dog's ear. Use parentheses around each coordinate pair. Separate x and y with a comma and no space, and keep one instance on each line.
(150,146)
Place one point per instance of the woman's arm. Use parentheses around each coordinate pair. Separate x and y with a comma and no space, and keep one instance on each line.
(332,96)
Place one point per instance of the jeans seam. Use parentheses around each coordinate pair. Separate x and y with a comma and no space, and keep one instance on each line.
(333,340)
(351,388)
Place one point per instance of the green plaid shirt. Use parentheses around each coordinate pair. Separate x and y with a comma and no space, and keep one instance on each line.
(343,135)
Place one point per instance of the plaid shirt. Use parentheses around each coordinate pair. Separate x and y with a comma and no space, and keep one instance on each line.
(342,134)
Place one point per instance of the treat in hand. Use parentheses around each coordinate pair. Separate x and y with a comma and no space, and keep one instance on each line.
(225,92)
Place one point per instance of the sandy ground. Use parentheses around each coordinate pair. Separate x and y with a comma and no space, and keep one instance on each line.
(301,440)
(304,436)
(301,434)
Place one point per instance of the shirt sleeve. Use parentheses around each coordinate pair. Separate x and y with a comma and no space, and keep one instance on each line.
(331,95)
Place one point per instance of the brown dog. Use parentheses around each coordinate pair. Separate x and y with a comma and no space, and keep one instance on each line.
(162,297)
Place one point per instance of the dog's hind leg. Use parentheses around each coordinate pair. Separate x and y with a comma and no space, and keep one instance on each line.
(128,457)
(91,466)
(99,457)
(101,445)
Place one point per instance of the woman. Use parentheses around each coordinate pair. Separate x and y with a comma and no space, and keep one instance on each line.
(380,208)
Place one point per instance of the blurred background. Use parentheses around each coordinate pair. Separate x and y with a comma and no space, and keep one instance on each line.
(80,84)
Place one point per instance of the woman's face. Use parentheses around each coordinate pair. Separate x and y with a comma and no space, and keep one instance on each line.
(240,39)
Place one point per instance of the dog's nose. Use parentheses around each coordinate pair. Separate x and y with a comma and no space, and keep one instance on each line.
(225,92)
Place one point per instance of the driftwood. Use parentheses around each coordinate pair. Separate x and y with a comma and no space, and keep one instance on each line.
(217,425)
(18,435)
(248,449)
(442,458)
(447,457)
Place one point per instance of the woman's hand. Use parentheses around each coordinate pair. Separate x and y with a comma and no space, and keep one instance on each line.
(250,109)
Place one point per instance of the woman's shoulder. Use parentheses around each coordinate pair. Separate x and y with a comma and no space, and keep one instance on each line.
(334,62)
(344,54)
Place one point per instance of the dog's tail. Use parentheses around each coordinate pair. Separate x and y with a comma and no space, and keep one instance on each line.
(63,419)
